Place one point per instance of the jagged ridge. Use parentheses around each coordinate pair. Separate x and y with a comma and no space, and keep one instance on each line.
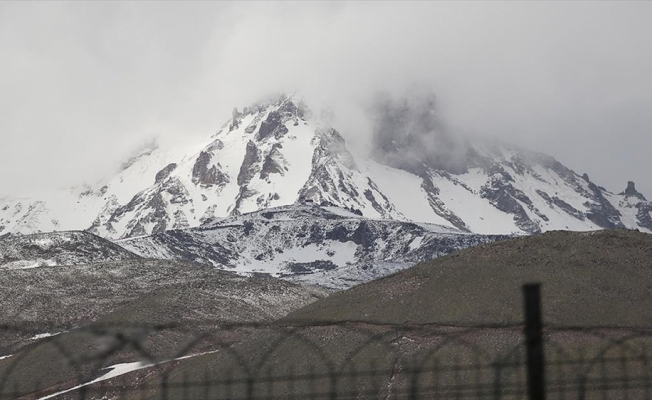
(327,246)
(279,152)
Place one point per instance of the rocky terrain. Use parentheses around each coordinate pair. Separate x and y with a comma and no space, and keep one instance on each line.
(58,248)
(280,152)
(326,246)
(64,324)
(309,244)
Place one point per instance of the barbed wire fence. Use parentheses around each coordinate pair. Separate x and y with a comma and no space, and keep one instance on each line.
(344,360)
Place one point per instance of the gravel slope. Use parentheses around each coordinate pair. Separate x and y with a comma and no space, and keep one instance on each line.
(92,308)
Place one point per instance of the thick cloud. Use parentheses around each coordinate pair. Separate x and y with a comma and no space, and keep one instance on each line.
(81,84)
(406,132)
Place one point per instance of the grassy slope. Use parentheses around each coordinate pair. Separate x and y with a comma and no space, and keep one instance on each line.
(601,278)
(588,279)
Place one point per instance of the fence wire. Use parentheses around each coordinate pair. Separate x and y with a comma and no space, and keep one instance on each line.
(351,360)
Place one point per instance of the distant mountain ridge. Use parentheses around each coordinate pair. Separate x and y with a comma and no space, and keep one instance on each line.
(280,152)
(307,244)
(325,246)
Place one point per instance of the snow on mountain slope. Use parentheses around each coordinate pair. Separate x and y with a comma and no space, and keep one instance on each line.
(53,211)
(279,152)
(58,248)
(270,155)
(634,208)
(307,243)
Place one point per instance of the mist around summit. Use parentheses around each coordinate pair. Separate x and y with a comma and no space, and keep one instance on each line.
(407,133)
(82,85)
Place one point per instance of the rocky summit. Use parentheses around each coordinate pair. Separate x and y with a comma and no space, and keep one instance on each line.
(280,152)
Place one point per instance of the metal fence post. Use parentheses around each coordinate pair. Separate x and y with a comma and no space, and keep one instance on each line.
(534,342)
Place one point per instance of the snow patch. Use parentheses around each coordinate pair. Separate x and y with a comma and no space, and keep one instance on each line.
(44,335)
(122,369)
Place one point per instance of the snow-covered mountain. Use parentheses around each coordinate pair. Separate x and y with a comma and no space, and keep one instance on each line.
(280,152)
(304,243)
(326,246)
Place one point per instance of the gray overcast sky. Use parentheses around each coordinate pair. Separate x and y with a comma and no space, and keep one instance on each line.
(83,83)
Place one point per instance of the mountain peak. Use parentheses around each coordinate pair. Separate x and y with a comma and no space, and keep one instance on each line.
(631,189)
(277,152)
(632,192)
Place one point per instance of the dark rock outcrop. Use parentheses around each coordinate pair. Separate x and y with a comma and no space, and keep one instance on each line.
(235,121)
(208,176)
(207,173)
(250,165)
(601,211)
(272,126)
(556,201)
(632,192)
(274,163)
(165,172)
(502,195)
(311,267)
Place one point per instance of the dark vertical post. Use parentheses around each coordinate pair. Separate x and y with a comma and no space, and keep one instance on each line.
(534,342)
(164,387)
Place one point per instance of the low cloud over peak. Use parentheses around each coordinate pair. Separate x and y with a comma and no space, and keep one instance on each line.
(81,84)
